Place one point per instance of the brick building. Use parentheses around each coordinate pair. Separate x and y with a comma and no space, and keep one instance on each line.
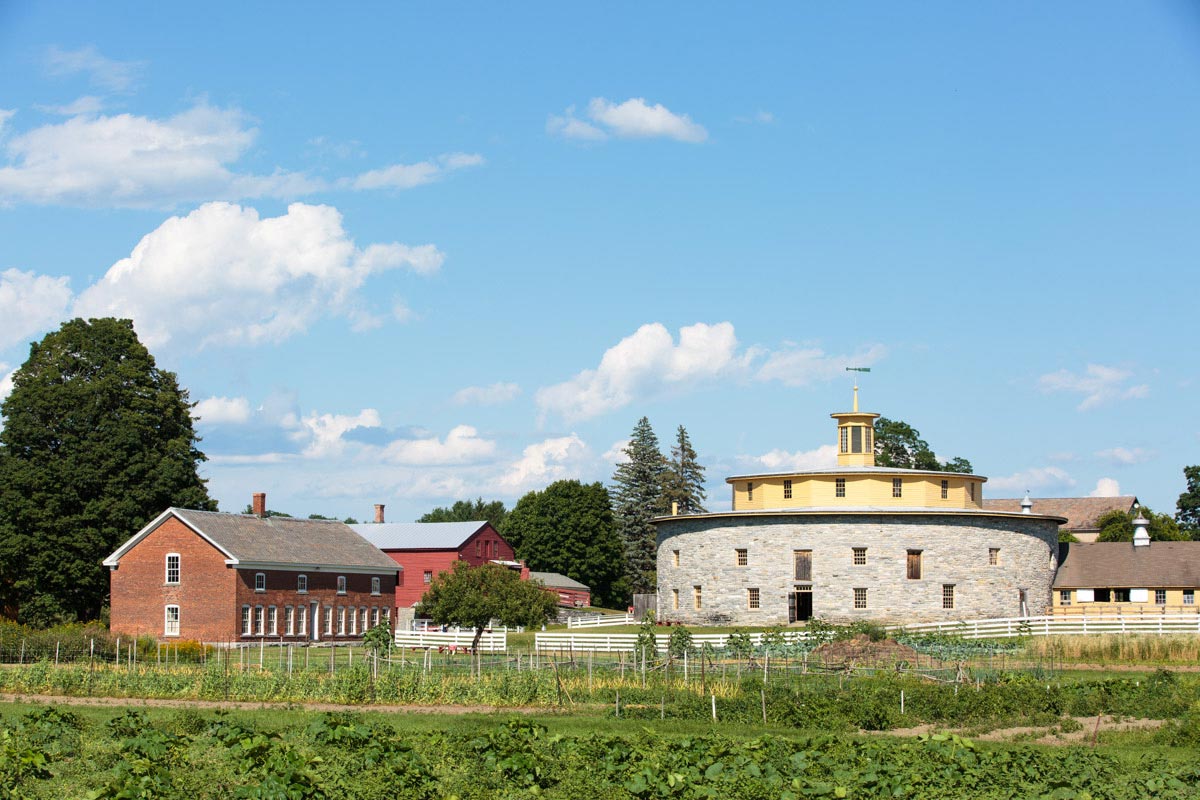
(219,577)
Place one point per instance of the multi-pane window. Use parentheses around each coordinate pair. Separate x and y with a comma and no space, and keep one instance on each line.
(374,585)
(1120,595)
(802,565)
(947,595)
(860,597)
(839,487)
(993,556)
(860,556)
(302,584)
(945,489)
(697,597)
(897,487)
(856,439)
(258,620)
(289,620)
(260,581)
(246,629)
(1160,597)
(675,599)
(387,614)
(374,616)
(1064,597)
(301,620)
(787,489)
(171,624)
(341,613)
(428,576)
(675,557)
(329,620)
(844,440)
(914,565)
(743,557)
(353,620)
(1189,597)
(478,545)
(172,567)
(362,619)
(341,584)
(272,621)
(752,598)
(749,490)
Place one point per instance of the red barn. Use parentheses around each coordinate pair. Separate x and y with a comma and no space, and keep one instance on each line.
(231,577)
(571,593)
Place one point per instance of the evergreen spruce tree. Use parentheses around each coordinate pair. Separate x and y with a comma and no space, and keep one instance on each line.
(637,490)
(683,481)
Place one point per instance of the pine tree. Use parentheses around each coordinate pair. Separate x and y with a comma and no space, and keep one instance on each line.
(683,481)
(638,493)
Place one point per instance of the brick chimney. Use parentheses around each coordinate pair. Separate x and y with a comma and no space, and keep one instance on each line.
(259,504)
(379,512)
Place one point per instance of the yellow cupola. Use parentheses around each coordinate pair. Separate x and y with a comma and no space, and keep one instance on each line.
(856,440)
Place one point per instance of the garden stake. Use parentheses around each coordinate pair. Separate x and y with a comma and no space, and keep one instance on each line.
(714,707)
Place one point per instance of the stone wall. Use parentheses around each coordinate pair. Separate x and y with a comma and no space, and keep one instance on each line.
(954,551)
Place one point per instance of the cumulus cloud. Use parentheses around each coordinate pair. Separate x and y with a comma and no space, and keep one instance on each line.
(645,362)
(1124,456)
(6,383)
(461,445)
(757,118)
(820,458)
(1033,479)
(796,365)
(495,394)
(222,410)
(223,275)
(1098,384)
(632,119)
(1106,487)
(81,106)
(617,453)
(32,303)
(322,434)
(103,72)
(408,176)
(543,463)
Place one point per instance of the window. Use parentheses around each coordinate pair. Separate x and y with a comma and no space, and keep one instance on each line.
(947,595)
(749,490)
(353,620)
(289,620)
(246,629)
(362,619)
(258,620)
(860,556)
(1064,597)
(696,597)
(341,616)
(743,558)
(301,620)
(374,616)
(1103,596)
(914,565)
(428,577)
(341,584)
(945,490)
(675,557)
(329,620)
(993,556)
(839,487)
(868,434)
(675,599)
(478,544)
(897,487)
(375,586)
(260,581)
(802,564)
(1160,597)
(1189,597)
(173,568)
(787,490)
(302,584)
(971,490)
(856,439)
(844,440)
(752,599)
(272,621)
(1120,595)
(387,614)
(860,598)
(171,624)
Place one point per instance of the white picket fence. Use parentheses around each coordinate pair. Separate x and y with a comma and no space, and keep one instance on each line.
(1064,625)
(601,621)
(626,642)
(495,641)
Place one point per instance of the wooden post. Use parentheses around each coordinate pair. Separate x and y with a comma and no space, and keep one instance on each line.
(56,644)
(762,694)
(714,707)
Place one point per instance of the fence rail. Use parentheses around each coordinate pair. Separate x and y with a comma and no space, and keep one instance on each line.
(1061,626)
(601,621)
(490,642)
(627,642)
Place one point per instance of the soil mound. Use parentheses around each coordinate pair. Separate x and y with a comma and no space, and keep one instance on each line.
(862,651)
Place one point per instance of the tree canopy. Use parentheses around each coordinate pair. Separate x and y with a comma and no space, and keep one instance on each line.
(1117,526)
(97,441)
(1188,507)
(637,490)
(569,528)
(898,444)
(469,511)
(683,479)
(471,597)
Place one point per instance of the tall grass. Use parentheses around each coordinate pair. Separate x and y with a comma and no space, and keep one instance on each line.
(1109,648)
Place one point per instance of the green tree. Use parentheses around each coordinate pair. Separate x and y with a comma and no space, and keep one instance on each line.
(97,441)
(270,512)
(637,490)
(471,597)
(569,528)
(1117,526)
(898,444)
(683,480)
(469,511)
(1188,507)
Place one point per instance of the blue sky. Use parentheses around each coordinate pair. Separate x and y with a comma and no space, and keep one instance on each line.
(415,253)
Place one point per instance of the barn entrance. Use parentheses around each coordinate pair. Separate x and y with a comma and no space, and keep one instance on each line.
(800,604)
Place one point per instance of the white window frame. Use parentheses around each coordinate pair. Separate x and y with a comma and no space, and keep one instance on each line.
(428,577)
(1189,597)
(1160,597)
(839,487)
(387,614)
(363,619)
(341,584)
(260,582)
(289,620)
(272,621)
(301,584)
(353,629)
(376,583)
(329,620)
(374,616)
(301,620)
(258,620)
(341,625)
(167,569)
(247,621)
(168,620)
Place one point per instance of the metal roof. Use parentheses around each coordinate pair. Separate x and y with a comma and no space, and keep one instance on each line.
(1108,565)
(418,535)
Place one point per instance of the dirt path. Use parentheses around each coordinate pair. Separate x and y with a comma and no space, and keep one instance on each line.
(126,702)
(1049,734)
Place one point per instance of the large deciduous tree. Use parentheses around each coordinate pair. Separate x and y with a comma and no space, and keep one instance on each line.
(637,490)
(97,441)
(1117,526)
(898,444)
(683,480)
(1188,507)
(471,597)
(469,511)
(569,528)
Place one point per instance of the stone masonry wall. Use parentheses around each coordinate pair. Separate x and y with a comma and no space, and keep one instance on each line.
(954,550)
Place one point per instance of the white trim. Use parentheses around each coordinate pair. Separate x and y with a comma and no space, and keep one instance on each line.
(167,569)
(167,619)
(113,561)
(282,567)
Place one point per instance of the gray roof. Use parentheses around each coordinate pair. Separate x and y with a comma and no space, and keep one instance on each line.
(282,541)
(1120,565)
(554,580)
(849,510)
(418,535)
(851,470)
(1081,512)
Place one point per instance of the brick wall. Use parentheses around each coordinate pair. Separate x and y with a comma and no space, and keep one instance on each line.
(281,591)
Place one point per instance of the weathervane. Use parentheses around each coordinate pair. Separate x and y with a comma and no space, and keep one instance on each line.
(857,369)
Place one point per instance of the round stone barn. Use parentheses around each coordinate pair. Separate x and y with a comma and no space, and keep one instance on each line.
(855,542)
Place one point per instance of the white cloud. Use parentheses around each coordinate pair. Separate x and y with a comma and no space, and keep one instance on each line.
(495,394)
(632,119)
(103,72)
(1124,456)
(322,433)
(1106,487)
(461,445)
(254,459)
(223,275)
(81,106)
(799,366)
(543,463)
(758,117)
(1099,384)
(820,458)
(6,383)
(617,453)
(408,176)
(645,362)
(32,303)
(5,115)
(222,410)
(1033,479)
